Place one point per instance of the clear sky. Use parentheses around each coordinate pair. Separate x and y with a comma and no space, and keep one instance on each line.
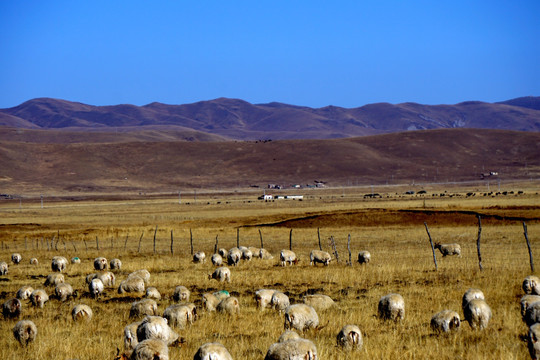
(312,53)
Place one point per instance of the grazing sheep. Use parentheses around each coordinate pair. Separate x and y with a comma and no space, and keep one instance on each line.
(143,274)
(287,257)
(81,312)
(143,307)
(4,269)
(63,291)
(223,253)
(100,263)
(255,252)
(221,274)
(364,257)
(350,338)
(54,279)
(210,301)
(478,313)
(39,297)
(25,331)
(532,341)
(319,302)
(16,258)
(319,257)
(107,278)
(180,315)
(75,260)
(391,307)
(181,294)
(96,288)
(448,249)
(263,297)
(151,349)
(531,285)
(34,261)
(292,349)
(288,335)
(234,256)
(471,294)
(246,254)
(11,309)
(199,257)
(445,321)
(221,294)
(532,314)
(130,335)
(229,305)
(115,264)
(526,301)
(131,284)
(59,264)
(153,293)
(217,260)
(279,301)
(301,317)
(156,327)
(212,351)
(265,254)
(24,292)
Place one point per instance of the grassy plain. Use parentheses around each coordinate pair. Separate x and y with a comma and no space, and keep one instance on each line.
(390,227)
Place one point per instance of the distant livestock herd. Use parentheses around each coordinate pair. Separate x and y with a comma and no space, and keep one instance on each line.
(149,338)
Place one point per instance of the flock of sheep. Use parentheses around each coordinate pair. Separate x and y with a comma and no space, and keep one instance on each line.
(149,337)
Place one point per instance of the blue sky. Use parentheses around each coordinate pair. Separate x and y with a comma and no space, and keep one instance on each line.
(311,53)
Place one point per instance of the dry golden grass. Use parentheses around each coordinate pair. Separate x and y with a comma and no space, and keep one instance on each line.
(392,229)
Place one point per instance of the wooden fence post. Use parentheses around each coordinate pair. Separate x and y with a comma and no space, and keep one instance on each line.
(140,240)
(216,245)
(290,240)
(333,244)
(478,243)
(260,236)
(191,241)
(85,245)
(125,242)
(237,237)
(528,246)
(172,243)
(349,248)
(155,232)
(432,247)
(319,236)
(97,242)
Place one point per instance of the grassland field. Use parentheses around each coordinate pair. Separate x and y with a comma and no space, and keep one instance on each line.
(391,228)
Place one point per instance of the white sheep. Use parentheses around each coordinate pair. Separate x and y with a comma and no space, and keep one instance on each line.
(143,274)
(255,252)
(265,254)
(448,249)
(478,313)
(471,294)
(287,257)
(133,284)
(153,293)
(221,274)
(199,257)
(130,335)
(156,327)
(96,288)
(16,258)
(63,291)
(39,297)
(223,253)
(100,263)
(81,312)
(59,264)
(210,301)
(25,331)
(319,257)
(151,349)
(181,294)
(350,338)
(279,301)
(319,302)
(221,294)
(246,254)
(24,292)
(54,279)
(301,317)
(75,260)
(34,261)
(115,264)
(391,307)
(11,309)
(364,257)
(533,341)
(212,351)
(233,257)
(288,335)
(301,349)
(180,315)
(143,307)
(526,301)
(217,260)
(263,297)
(532,313)
(107,278)
(445,321)
(4,268)
(531,285)
(229,305)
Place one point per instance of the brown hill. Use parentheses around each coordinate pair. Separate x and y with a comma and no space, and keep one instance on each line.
(70,166)
(240,120)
